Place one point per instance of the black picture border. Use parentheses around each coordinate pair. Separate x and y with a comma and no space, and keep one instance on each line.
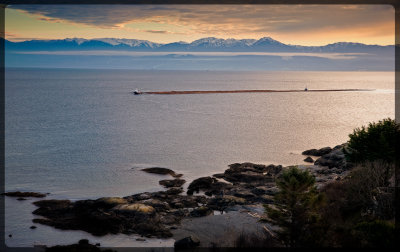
(4,3)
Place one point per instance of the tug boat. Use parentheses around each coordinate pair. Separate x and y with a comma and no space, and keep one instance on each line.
(137,92)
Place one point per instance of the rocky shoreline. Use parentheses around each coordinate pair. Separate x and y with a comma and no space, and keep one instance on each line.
(161,214)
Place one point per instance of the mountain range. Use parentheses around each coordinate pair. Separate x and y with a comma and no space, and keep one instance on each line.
(209,44)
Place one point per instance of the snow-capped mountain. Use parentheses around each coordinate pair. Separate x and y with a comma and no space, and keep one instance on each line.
(129,42)
(211,44)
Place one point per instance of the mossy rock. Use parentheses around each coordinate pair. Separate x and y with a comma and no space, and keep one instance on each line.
(136,207)
(112,201)
(236,200)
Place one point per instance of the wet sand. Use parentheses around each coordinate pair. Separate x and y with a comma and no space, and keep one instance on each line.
(252,91)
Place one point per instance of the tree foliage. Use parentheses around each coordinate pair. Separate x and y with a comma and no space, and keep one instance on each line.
(295,206)
(376,142)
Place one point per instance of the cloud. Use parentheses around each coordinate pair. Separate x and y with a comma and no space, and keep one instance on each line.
(155,31)
(225,20)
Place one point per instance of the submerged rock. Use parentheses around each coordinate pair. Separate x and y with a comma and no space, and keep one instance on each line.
(24,194)
(162,171)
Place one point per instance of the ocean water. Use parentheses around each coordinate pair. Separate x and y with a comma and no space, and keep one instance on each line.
(80,134)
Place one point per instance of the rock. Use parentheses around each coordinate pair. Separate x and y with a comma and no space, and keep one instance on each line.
(243,193)
(83,217)
(340,146)
(178,205)
(147,214)
(52,204)
(83,242)
(140,239)
(33,227)
(265,199)
(221,203)
(24,194)
(144,196)
(135,207)
(200,183)
(333,159)
(315,152)
(180,212)
(187,243)
(150,229)
(20,199)
(259,190)
(111,201)
(162,171)
(257,168)
(172,183)
(174,190)
(209,185)
(272,169)
(309,159)
(83,245)
(99,219)
(170,219)
(219,175)
(217,188)
(201,211)
(157,204)
(251,173)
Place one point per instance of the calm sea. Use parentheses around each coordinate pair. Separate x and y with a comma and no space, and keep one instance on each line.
(81,134)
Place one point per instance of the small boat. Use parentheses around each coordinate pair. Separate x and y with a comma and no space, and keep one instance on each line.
(137,92)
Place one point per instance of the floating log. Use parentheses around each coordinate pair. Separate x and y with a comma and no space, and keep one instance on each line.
(251,91)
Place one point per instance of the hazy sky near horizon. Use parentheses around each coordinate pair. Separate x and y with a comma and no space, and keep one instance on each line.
(290,24)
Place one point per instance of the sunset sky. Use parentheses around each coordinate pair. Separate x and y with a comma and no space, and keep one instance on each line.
(290,24)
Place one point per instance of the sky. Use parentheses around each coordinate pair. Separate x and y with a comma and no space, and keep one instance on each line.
(291,24)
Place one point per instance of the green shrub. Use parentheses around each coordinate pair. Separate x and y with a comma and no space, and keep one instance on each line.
(295,208)
(377,142)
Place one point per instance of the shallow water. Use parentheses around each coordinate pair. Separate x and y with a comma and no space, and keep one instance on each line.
(81,134)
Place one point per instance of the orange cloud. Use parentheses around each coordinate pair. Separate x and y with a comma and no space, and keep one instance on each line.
(361,22)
